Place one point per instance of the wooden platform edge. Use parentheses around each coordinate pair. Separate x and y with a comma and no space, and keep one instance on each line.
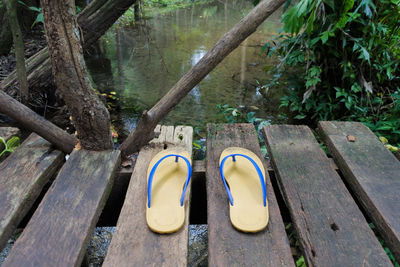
(132,231)
(332,230)
(384,226)
(47,162)
(226,245)
(69,211)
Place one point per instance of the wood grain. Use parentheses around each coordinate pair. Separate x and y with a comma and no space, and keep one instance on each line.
(373,174)
(331,228)
(58,232)
(22,177)
(226,245)
(133,243)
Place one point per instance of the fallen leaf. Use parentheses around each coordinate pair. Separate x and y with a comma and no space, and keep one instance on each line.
(351,138)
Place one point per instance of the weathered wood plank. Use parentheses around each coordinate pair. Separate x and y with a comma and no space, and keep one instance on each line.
(133,243)
(331,228)
(169,136)
(58,232)
(7,133)
(227,246)
(22,177)
(157,133)
(373,174)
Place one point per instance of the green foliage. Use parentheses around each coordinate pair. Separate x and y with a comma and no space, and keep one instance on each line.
(387,250)
(38,10)
(230,114)
(295,244)
(301,262)
(345,57)
(39,17)
(10,145)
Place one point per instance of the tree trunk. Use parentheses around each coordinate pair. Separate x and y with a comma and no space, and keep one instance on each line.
(94,21)
(19,48)
(232,39)
(5,32)
(32,121)
(89,116)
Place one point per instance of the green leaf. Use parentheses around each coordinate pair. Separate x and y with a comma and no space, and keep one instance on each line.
(13,143)
(39,18)
(365,53)
(196,145)
(300,262)
(384,128)
(33,8)
(3,141)
(324,37)
(300,117)
(22,3)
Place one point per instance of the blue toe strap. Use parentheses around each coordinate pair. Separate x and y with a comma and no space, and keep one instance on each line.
(260,175)
(153,170)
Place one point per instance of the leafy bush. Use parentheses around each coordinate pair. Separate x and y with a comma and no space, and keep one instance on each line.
(345,55)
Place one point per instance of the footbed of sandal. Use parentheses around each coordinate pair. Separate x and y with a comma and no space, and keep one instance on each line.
(165,214)
(248,213)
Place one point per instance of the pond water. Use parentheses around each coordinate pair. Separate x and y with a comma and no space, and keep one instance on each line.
(142,62)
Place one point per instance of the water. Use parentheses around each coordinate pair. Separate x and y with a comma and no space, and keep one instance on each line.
(143,62)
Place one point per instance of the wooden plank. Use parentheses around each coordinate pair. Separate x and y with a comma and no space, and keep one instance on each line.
(331,228)
(7,133)
(58,232)
(227,246)
(169,136)
(133,243)
(157,133)
(22,177)
(373,174)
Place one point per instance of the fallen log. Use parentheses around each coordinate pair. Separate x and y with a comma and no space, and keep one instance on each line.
(93,21)
(143,132)
(32,121)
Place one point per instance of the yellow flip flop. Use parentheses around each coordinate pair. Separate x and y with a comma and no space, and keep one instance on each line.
(169,172)
(242,172)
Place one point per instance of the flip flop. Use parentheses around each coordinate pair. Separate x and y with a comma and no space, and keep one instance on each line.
(168,175)
(242,172)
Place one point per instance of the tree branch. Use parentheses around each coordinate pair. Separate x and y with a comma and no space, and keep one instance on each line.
(232,39)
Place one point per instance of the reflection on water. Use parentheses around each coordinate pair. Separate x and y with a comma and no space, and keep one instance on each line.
(147,60)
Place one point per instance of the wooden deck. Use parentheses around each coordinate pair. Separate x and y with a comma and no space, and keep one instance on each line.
(329,204)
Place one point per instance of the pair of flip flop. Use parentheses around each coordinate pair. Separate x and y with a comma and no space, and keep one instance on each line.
(241,171)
